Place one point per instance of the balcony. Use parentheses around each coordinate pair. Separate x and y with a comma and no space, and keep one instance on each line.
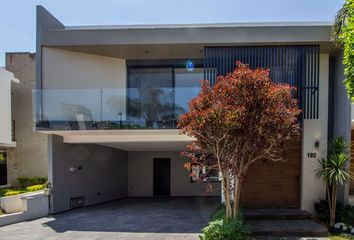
(105,109)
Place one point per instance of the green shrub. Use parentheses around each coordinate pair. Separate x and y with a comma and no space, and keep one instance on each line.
(219,229)
(5,192)
(343,214)
(30,181)
(346,215)
(13,192)
(37,187)
(220,214)
(322,211)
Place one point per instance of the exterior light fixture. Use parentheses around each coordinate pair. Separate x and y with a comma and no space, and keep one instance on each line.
(317,143)
(189,66)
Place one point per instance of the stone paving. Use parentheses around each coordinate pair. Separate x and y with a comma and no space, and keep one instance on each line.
(137,218)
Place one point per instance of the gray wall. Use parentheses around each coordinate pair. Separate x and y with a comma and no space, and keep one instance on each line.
(140,176)
(44,21)
(103,178)
(341,113)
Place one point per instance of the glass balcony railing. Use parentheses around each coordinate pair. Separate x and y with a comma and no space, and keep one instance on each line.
(129,108)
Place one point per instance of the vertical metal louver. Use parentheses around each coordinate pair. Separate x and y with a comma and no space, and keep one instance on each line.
(294,65)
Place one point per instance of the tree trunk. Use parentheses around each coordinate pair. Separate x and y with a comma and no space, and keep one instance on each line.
(329,197)
(333,207)
(237,193)
(226,191)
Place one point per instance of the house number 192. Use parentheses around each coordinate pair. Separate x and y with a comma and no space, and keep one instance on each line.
(311,155)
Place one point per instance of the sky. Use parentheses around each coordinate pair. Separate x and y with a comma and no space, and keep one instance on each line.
(17,17)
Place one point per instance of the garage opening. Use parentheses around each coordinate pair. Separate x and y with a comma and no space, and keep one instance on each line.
(110,173)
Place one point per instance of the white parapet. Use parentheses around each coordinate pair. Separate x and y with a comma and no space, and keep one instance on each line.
(35,205)
(11,204)
(23,207)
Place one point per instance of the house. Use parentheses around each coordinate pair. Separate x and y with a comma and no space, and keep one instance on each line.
(24,151)
(7,140)
(108,98)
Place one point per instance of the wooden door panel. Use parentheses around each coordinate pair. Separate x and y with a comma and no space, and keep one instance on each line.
(270,184)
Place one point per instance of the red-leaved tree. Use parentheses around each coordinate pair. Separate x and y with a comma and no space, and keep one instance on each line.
(243,118)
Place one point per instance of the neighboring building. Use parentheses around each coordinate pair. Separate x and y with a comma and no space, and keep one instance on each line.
(30,156)
(109,98)
(7,140)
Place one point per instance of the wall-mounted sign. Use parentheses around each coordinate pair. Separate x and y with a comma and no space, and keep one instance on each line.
(311,155)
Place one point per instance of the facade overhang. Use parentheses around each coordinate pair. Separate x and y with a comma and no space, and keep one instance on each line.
(5,146)
(188,35)
(130,140)
(127,41)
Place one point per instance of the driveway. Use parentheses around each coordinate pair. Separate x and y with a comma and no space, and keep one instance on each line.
(133,218)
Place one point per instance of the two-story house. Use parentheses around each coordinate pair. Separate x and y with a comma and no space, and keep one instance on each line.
(109,97)
(7,140)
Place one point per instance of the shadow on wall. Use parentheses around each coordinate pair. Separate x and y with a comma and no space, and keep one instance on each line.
(151,215)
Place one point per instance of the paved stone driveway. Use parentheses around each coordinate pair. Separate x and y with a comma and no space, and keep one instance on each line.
(138,218)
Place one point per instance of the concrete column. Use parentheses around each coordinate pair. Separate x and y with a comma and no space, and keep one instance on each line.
(315,130)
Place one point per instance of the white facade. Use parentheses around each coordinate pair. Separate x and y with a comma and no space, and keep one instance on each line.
(315,130)
(5,107)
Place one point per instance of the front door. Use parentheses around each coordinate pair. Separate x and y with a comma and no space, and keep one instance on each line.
(271,184)
(162,176)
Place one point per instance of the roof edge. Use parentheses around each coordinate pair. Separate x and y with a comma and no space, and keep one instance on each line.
(204,25)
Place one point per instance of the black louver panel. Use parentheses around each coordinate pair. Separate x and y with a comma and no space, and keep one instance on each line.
(295,65)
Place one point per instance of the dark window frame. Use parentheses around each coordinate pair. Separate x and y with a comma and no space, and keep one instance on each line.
(158,64)
(173,64)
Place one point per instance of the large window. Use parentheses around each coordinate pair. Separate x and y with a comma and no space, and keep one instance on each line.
(158,94)
(150,99)
(187,85)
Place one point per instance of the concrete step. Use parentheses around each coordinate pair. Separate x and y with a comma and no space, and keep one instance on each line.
(275,214)
(281,228)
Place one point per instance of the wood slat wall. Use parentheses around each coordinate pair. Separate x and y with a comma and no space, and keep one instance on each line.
(271,184)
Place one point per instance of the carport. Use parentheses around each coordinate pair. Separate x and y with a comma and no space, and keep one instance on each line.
(98,166)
